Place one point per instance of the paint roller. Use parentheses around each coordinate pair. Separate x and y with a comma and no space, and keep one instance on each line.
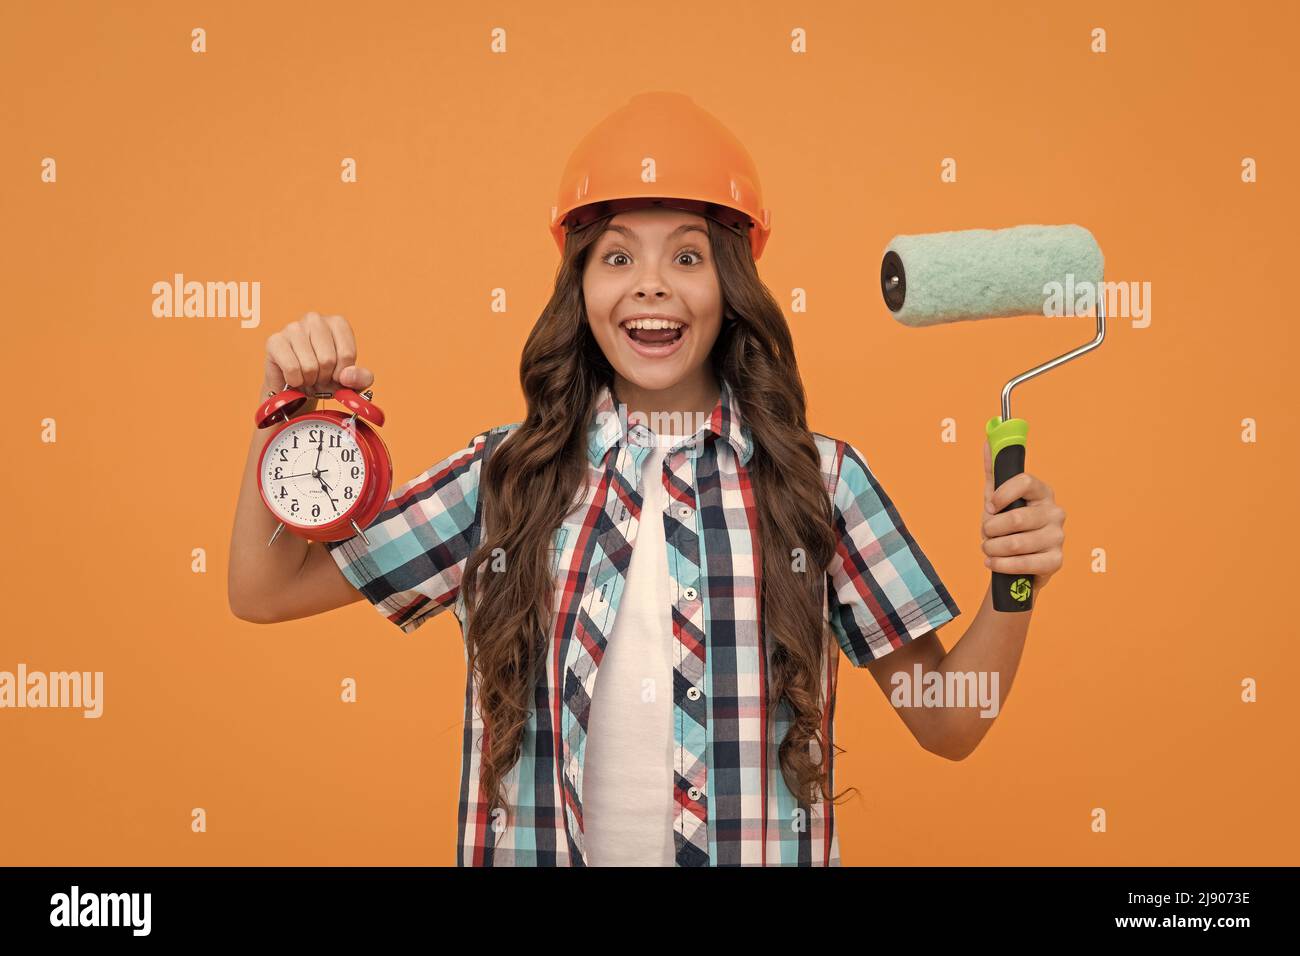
(940,277)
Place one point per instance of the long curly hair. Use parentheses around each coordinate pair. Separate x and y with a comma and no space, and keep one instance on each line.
(534,479)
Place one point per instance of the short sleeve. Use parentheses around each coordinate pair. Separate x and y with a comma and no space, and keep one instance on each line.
(419,543)
(882,590)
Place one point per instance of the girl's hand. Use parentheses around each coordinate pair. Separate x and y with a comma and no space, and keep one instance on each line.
(315,354)
(1024,540)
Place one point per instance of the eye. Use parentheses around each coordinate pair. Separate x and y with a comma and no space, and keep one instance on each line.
(689,251)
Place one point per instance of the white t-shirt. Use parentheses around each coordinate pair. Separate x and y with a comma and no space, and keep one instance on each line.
(627,790)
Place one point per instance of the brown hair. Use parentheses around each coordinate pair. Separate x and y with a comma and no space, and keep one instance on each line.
(532,481)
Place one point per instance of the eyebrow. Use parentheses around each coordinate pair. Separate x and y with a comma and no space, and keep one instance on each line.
(685,227)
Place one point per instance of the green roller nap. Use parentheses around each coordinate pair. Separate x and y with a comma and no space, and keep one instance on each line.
(984,273)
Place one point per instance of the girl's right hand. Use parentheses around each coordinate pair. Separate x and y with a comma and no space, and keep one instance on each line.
(316,353)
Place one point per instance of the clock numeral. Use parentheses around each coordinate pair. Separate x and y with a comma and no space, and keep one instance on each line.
(348,454)
(347,492)
(356,471)
(295,441)
(336,441)
(284,454)
(315,511)
(293,508)
(277,472)
(284,492)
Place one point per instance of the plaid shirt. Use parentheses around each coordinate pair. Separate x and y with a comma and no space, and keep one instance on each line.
(731,803)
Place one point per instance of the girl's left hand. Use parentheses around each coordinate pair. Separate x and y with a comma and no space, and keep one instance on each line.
(1026,540)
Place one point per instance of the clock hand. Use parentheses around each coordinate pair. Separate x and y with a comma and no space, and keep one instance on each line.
(316,467)
(305,474)
(328,493)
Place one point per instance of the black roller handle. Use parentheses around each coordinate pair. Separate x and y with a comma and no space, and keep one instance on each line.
(1011,592)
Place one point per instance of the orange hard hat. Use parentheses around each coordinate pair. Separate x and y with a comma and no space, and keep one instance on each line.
(661,149)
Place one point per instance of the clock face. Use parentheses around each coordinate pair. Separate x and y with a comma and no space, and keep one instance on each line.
(313,473)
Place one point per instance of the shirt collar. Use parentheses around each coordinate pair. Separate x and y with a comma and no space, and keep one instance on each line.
(608,426)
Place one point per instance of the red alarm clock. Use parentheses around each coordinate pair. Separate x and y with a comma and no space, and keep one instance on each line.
(326,474)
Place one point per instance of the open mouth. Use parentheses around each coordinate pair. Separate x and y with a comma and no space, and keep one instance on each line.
(651,336)
(654,333)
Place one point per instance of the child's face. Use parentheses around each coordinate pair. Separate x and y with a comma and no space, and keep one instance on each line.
(654,260)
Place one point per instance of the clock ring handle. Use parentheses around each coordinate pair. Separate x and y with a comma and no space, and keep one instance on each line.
(281,405)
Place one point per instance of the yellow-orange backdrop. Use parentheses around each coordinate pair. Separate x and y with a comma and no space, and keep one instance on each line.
(225,165)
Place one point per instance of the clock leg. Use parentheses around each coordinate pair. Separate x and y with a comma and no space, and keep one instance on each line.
(360,532)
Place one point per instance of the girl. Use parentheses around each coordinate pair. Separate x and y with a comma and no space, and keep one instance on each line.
(657,569)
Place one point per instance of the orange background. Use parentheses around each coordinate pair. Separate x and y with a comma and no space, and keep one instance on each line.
(225,166)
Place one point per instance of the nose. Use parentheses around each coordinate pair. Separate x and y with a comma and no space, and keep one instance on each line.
(650,282)
(651,286)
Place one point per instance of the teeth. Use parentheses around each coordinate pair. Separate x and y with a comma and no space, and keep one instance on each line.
(652,324)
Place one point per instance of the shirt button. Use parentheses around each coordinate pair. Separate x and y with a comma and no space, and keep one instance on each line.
(690,594)
(693,693)
(693,793)
(684,511)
